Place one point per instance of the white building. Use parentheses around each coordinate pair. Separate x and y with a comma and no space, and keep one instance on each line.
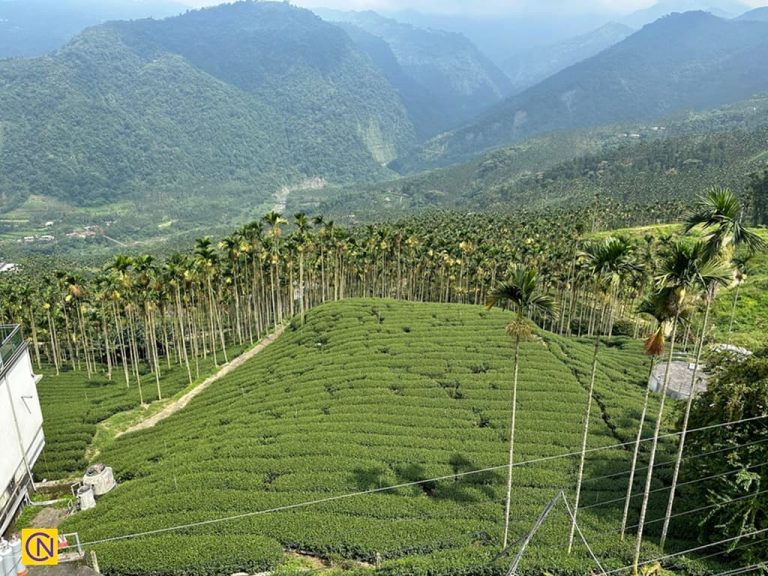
(21,423)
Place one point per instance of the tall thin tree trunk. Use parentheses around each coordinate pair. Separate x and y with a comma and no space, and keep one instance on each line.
(585,435)
(691,395)
(636,451)
(511,443)
(654,446)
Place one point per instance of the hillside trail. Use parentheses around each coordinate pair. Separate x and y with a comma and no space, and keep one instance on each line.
(179,404)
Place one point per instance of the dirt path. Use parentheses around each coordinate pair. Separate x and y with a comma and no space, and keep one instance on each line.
(49,518)
(177,405)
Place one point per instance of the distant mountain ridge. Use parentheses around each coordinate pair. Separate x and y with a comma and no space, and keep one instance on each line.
(528,68)
(757,15)
(662,8)
(683,61)
(443,77)
(34,27)
(248,94)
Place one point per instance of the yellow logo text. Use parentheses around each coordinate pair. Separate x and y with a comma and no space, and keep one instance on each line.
(39,546)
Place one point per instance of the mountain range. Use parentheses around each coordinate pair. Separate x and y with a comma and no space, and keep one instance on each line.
(250,93)
(252,96)
(683,61)
(530,67)
(444,79)
(35,27)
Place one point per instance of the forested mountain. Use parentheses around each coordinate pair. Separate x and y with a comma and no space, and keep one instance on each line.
(444,79)
(669,160)
(530,67)
(758,14)
(249,93)
(721,8)
(683,61)
(34,27)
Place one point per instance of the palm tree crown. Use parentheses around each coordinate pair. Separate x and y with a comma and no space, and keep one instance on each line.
(719,214)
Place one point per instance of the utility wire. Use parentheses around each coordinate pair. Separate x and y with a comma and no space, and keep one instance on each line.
(730,550)
(688,551)
(665,488)
(389,488)
(667,463)
(743,569)
(581,534)
(686,512)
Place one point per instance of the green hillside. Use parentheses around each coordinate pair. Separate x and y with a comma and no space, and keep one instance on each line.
(669,160)
(370,394)
(35,27)
(443,78)
(529,67)
(683,61)
(248,95)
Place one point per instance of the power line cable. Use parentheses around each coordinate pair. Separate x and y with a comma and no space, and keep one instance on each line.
(688,551)
(389,488)
(686,512)
(665,488)
(743,569)
(581,534)
(667,463)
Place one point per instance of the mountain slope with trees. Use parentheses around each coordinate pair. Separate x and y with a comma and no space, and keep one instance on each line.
(684,61)
(251,94)
(668,160)
(530,67)
(455,81)
(34,27)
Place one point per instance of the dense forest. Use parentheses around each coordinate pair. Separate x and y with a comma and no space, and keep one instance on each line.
(683,61)
(223,95)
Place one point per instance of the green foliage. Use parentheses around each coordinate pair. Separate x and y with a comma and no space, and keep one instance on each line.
(250,94)
(74,404)
(367,410)
(442,78)
(758,186)
(668,66)
(734,493)
(667,165)
(168,555)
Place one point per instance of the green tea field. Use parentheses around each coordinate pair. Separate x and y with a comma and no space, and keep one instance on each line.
(367,396)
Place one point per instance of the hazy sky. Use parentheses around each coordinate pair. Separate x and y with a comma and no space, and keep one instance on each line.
(483,6)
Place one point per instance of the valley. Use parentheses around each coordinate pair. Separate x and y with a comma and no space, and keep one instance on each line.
(473,291)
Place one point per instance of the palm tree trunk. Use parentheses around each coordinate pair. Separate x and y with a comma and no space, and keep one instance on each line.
(301,286)
(585,434)
(654,445)
(691,395)
(511,443)
(637,450)
(733,309)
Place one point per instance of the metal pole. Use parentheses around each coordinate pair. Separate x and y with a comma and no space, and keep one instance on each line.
(539,521)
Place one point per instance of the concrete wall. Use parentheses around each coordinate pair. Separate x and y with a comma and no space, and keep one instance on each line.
(21,433)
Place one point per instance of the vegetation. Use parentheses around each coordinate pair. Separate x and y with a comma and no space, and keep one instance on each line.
(671,65)
(139,325)
(738,390)
(442,78)
(342,404)
(149,107)
(665,163)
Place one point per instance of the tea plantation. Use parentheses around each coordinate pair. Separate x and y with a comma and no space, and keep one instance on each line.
(73,405)
(370,394)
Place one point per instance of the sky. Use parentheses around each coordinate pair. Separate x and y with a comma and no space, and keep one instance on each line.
(482,7)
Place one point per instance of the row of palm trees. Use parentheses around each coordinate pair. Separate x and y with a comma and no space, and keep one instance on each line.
(137,312)
(688,272)
(138,315)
